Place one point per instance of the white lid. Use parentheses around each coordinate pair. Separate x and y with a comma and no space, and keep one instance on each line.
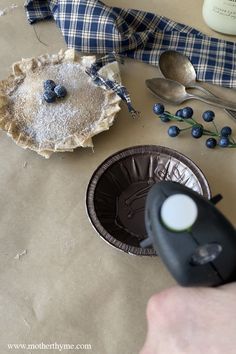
(179,212)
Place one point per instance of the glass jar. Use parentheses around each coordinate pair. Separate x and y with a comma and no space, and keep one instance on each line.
(220,15)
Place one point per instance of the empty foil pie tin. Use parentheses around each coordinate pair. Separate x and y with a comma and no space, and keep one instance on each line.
(117,191)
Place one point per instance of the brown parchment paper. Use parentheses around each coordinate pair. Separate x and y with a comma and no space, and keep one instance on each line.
(59,282)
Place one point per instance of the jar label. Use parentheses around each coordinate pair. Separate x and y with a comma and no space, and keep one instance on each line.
(228,11)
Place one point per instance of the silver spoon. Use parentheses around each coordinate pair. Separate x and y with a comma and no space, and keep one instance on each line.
(178,67)
(175,93)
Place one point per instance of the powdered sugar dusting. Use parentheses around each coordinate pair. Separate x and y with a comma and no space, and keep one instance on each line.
(46,122)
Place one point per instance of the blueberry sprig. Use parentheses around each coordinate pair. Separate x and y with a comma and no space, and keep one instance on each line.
(221,138)
(53,91)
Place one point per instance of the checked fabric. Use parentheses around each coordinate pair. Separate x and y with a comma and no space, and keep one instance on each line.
(90,26)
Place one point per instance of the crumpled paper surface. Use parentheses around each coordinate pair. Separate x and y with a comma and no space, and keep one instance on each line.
(61,283)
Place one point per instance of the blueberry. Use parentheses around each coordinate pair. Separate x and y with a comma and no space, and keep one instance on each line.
(158,108)
(60,91)
(226,131)
(208,116)
(187,112)
(197,131)
(173,131)
(179,113)
(49,96)
(211,143)
(49,85)
(224,141)
(164,117)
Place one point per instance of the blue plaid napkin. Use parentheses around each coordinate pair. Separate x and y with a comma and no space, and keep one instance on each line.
(90,26)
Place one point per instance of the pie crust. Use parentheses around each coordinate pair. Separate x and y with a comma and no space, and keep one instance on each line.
(63,125)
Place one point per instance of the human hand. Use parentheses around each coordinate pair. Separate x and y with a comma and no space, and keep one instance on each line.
(192,321)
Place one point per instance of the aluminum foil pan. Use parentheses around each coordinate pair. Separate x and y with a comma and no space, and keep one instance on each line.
(118,188)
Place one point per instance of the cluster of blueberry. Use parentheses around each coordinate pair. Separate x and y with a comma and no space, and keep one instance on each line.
(53,91)
(222,138)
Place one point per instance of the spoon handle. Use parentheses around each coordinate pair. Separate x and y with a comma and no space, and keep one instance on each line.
(215,102)
(203,89)
(231,113)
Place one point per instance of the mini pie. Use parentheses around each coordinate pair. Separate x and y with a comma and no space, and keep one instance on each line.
(63,125)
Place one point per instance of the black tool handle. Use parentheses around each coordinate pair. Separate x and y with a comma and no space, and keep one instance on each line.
(204,254)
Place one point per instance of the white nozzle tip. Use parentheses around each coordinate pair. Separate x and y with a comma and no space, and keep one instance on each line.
(179,212)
